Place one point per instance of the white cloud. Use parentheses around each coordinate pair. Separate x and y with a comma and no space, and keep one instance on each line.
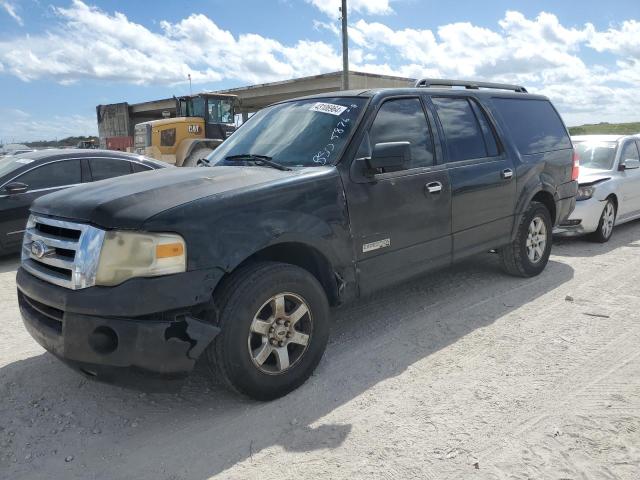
(23,127)
(539,52)
(10,8)
(95,44)
(369,7)
(623,41)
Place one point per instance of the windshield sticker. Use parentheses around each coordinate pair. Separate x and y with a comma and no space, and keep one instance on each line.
(24,160)
(322,157)
(330,108)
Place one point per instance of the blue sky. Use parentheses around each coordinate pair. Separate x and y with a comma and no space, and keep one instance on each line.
(59,59)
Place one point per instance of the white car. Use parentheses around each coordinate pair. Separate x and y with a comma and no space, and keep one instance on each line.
(609,185)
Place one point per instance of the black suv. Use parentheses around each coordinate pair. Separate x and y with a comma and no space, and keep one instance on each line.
(311,203)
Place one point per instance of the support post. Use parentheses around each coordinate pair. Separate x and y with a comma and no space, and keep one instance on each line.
(345,47)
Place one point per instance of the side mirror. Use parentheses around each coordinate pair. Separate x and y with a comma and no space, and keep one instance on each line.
(14,188)
(629,164)
(390,155)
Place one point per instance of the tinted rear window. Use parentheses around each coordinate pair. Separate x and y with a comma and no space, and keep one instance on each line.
(534,125)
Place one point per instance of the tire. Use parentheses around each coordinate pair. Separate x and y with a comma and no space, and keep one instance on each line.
(195,158)
(516,259)
(606,223)
(247,307)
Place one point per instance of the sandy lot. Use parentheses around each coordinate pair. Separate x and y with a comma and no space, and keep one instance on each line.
(466,373)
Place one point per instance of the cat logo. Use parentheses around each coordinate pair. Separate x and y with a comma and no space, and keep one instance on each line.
(193,128)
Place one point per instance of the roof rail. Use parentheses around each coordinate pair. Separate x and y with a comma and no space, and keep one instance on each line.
(438,82)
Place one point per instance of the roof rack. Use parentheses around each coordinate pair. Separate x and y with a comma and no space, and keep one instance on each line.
(438,82)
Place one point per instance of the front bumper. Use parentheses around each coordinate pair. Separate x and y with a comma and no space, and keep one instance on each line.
(144,331)
(584,219)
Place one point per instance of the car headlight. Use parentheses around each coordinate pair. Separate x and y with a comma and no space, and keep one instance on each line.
(126,255)
(585,193)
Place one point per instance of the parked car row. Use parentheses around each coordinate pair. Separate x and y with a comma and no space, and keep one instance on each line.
(312,203)
(27,176)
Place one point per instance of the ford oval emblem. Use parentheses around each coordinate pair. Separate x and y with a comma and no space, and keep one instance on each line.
(38,249)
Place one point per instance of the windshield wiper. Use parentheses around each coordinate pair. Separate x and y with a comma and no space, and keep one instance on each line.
(257,159)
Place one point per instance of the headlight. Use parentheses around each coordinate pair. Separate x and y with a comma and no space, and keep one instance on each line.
(585,193)
(125,255)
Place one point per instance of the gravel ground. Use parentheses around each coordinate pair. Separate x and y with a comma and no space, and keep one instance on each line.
(465,373)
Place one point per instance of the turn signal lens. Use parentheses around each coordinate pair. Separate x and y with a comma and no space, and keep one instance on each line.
(169,250)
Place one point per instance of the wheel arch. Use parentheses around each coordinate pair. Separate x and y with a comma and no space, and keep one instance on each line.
(548,201)
(301,255)
(189,145)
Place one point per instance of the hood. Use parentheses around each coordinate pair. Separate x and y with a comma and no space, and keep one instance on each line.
(127,202)
(589,176)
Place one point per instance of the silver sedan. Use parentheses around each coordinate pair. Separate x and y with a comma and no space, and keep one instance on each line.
(609,185)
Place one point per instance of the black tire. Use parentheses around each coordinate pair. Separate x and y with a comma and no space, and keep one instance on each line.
(604,233)
(240,299)
(196,157)
(515,258)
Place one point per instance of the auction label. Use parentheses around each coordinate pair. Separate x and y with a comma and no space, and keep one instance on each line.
(330,108)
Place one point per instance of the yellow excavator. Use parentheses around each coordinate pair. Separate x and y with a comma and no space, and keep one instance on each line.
(202,123)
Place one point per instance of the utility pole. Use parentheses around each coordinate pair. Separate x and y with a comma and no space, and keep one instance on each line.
(345,47)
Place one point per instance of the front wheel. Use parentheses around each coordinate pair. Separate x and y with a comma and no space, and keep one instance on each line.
(274,321)
(528,254)
(605,226)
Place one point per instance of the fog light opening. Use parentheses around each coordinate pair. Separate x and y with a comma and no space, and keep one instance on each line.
(103,340)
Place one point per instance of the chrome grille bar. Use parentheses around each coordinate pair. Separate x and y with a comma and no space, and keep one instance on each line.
(41,258)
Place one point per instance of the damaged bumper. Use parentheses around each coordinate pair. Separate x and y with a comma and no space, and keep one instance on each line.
(141,347)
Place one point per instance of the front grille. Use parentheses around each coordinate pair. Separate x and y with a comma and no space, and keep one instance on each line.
(49,316)
(61,252)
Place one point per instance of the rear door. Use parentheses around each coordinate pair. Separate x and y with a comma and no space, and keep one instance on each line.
(482,176)
(630,185)
(103,168)
(400,219)
(43,179)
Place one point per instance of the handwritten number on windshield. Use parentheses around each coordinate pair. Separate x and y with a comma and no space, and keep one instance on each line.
(322,157)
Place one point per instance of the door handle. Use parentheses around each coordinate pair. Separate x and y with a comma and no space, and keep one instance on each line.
(507,173)
(434,187)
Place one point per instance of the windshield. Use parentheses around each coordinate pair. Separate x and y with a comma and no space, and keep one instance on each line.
(597,155)
(220,111)
(302,133)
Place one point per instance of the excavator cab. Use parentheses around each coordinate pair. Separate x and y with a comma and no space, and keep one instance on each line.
(218,112)
(202,122)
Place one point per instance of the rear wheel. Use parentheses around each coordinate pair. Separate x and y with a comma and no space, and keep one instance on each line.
(274,321)
(528,254)
(605,226)
(197,158)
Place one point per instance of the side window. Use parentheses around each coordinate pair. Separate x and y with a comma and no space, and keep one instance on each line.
(487,131)
(138,167)
(464,136)
(402,120)
(534,124)
(629,152)
(102,168)
(56,174)
(168,137)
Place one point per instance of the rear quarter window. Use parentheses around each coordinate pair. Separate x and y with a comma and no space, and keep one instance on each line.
(534,125)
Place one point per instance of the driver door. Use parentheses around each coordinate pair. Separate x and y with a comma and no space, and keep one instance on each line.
(400,219)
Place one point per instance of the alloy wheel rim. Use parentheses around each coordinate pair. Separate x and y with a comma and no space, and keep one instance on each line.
(536,239)
(608,218)
(280,333)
